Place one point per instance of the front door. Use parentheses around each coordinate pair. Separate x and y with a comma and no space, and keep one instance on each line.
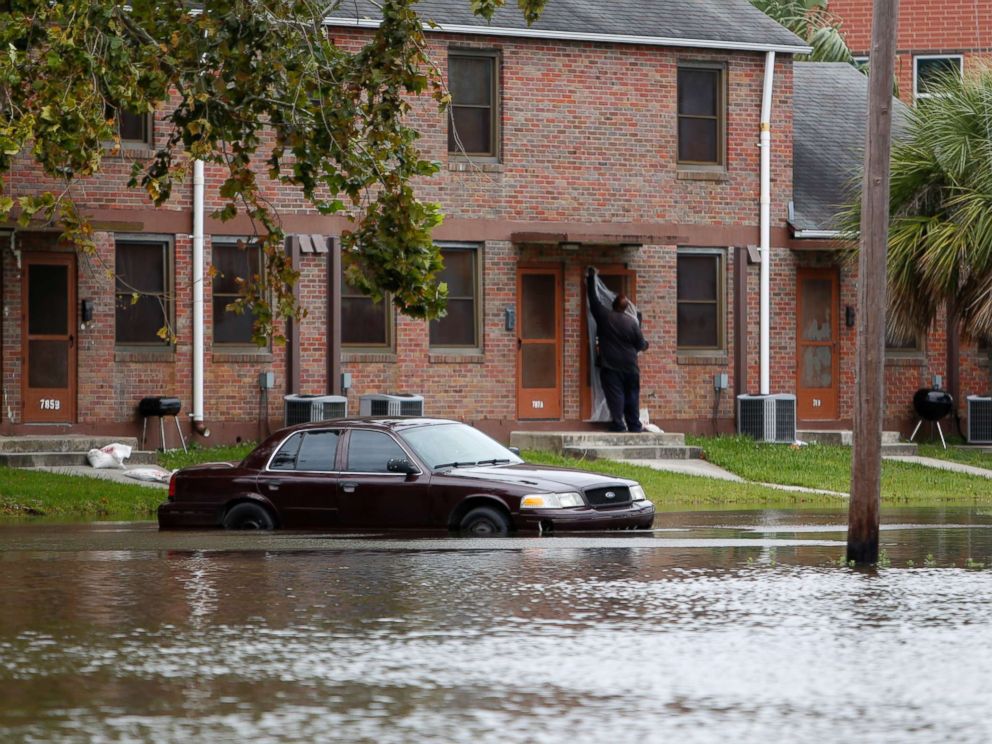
(49,344)
(817,365)
(617,278)
(539,343)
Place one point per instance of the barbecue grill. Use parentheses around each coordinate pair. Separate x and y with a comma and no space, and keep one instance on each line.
(161,407)
(932,405)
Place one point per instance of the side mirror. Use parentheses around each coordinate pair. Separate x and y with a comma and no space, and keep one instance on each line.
(514,450)
(401,465)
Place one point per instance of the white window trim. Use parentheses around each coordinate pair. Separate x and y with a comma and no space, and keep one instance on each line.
(917,95)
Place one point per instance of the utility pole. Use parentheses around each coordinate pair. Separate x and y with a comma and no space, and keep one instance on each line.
(869,391)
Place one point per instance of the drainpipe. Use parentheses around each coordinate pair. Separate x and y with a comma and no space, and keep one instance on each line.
(765,219)
(197,415)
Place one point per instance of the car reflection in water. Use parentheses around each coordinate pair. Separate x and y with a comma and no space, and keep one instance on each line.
(398,473)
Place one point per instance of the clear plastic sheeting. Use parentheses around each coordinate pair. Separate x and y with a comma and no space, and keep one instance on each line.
(600,411)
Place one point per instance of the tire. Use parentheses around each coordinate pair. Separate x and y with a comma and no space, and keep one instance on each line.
(484,521)
(248,516)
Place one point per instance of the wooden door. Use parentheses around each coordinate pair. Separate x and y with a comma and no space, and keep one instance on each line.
(617,278)
(817,363)
(539,343)
(48,317)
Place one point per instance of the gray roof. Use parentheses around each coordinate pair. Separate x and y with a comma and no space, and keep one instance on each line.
(830,117)
(720,23)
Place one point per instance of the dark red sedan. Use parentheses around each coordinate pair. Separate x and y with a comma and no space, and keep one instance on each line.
(398,473)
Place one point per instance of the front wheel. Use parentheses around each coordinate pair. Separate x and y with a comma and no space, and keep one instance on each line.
(484,521)
(248,516)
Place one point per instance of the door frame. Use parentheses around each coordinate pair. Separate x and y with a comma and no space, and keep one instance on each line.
(556,270)
(831,412)
(630,276)
(49,258)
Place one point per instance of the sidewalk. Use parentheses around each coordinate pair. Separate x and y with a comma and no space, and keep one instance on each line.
(933,462)
(120,476)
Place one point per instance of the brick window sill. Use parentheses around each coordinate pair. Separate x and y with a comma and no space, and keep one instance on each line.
(456,359)
(701,175)
(154,357)
(368,357)
(703,360)
(465,166)
(243,357)
(905,361)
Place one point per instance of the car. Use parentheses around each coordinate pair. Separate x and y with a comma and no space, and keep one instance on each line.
(415,473)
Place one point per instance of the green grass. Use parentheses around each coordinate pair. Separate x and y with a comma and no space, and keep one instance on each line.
(228,453)
(36,494)
(829,467)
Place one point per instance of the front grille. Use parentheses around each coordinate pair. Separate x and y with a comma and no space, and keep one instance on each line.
(609,496)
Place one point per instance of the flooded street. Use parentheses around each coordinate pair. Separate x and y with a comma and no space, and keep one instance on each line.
(718,626)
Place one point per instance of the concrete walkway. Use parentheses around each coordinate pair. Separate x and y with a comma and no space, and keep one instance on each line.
(956,467)
(120,476)
(707,469)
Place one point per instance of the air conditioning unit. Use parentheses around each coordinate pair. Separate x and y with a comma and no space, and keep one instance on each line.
(979,419)
(391,404)
(767,418)
(302,409)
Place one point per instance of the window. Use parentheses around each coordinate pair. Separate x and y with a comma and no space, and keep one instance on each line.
(143,298)
(133,128)
(700,115)
(365,324)
(895,344)
(930,70)
(232,260)
(314,451)
(459,329)
(371,451)
(472,119)
(700,299)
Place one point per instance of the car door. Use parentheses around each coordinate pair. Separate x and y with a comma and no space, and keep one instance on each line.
(371,496)
(301,480)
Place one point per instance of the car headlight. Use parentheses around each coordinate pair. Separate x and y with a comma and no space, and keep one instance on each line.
(551,500)
(637,494)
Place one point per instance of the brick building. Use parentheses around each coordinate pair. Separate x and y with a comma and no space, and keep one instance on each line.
(624,137)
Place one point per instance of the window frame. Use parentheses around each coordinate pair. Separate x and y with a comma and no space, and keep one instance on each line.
(232,346)
(917,94)
(495,152)
(390,319)
(148,124)
(720,254)
(478,250)
(918,350)
(721,117)
(168,244)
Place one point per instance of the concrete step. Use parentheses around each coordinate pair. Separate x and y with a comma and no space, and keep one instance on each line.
(839,436)
(631,452)
(557,441)
(61,443)
(900,449)
(60,459)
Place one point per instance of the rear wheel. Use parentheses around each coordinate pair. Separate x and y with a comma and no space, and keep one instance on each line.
(248,516)
(484,521)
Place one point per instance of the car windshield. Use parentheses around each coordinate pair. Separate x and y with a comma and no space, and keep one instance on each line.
(456,445)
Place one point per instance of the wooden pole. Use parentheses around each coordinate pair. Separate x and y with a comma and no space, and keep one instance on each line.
(869,394)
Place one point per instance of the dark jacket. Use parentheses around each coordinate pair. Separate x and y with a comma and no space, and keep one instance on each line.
(619,334)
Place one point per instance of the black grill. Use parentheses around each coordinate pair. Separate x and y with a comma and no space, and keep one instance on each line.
(931,404)
(609,496)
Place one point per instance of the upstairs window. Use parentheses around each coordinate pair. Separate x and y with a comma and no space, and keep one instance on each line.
(134,129)
(472,118)
(143,296)
(233,260)
(700,299)
(700,116)
(930,70)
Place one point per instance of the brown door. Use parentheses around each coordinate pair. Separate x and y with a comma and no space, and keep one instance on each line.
(49,318)
(617,278)
(539,343)
(816,344)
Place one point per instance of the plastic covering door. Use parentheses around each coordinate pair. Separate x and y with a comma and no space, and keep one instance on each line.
(539,343)
(49,343)
(817,384)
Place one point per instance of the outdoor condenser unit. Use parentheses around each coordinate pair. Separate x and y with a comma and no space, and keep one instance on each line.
(767,418)
(302,409)
(979,419)
(391,404)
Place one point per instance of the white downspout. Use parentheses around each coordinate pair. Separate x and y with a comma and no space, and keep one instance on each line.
(198,184)
(765,144)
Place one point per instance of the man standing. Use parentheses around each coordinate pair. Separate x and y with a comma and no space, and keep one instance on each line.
(620,339)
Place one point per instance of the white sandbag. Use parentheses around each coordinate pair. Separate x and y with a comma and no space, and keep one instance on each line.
(100,459)
(152,475)
(120,452)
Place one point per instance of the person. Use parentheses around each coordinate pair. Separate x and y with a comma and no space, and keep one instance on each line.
(620,339)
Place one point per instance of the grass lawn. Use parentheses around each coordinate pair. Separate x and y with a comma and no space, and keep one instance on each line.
(29,493)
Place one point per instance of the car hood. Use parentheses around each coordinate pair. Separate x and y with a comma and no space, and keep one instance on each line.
(539,477)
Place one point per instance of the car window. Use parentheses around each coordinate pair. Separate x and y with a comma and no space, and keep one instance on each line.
(370,451)
(449,443)
(318,451)
(285,458)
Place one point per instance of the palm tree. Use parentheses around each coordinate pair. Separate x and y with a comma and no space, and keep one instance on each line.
(940,231)
(810,20)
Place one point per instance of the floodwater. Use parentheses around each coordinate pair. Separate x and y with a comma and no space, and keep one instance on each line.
(715,627)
